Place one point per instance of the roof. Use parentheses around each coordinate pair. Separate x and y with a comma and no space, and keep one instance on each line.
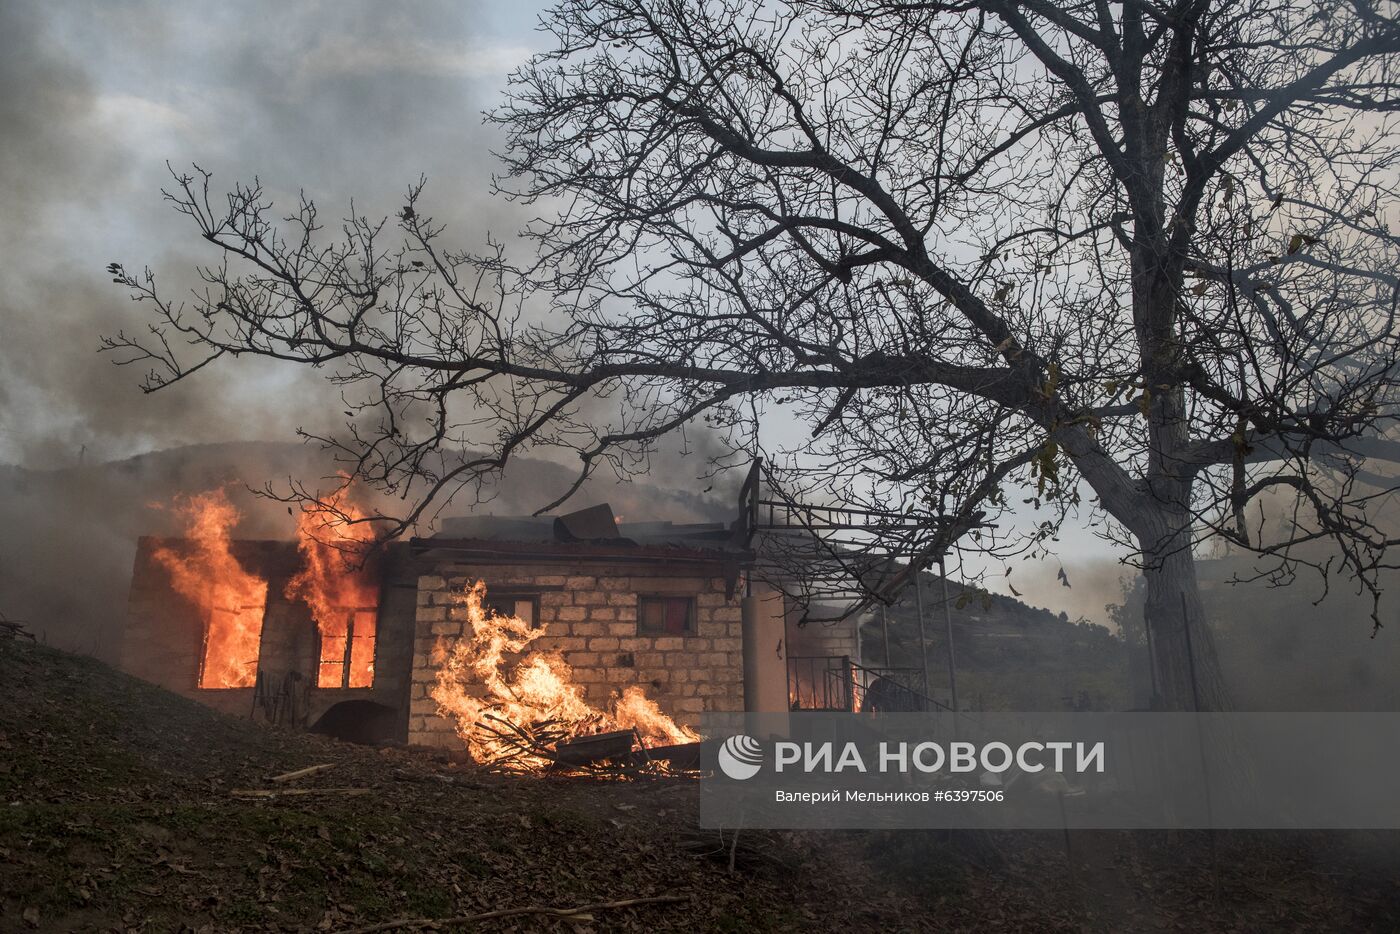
(591,533)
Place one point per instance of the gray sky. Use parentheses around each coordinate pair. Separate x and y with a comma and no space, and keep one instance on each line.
(345,99)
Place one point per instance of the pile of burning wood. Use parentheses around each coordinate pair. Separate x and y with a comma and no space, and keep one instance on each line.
(619,753)
(520,710)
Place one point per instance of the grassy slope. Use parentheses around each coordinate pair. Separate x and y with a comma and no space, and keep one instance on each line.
(115,814)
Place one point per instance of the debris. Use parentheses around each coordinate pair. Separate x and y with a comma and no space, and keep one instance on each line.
(581,913)
(678,756)
(290,792)
(300,773)
(582,750)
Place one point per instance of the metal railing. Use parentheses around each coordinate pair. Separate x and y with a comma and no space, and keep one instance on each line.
(834,682)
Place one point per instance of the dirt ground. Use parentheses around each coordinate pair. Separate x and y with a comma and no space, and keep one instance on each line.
(118,813)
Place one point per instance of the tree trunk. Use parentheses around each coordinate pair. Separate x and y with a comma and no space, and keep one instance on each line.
(1186,672)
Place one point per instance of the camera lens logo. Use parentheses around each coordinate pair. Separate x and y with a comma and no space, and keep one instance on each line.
(741,757)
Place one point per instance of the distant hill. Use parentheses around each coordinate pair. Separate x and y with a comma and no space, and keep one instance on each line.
(70,534)
(1009,655)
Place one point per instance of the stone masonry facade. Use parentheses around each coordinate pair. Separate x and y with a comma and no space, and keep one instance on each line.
(589,613)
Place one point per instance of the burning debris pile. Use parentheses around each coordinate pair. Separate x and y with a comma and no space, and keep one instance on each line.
(520,710)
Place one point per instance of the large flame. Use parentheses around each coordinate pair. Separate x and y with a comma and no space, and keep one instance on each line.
(232,600)
(342,589)
(487,678)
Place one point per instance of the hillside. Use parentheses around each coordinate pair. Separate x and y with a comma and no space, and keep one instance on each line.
(117,814)
(1010,656)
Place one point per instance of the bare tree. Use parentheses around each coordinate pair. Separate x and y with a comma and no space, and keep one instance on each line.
(1139,250)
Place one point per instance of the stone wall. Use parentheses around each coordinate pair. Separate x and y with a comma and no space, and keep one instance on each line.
(589,611)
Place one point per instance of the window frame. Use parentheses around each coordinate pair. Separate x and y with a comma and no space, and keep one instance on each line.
(207,621)
(691,615)
(493,603)
(348,653)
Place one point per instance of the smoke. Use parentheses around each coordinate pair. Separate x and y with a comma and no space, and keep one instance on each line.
(1309,645)
(1082,588)
(351,100)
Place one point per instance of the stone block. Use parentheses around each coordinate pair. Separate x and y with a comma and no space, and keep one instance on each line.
(590,598)
(422,707)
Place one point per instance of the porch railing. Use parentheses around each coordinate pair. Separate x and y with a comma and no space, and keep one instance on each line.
(834,682)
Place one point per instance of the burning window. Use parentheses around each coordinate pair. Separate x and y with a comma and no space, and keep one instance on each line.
(665,616)
(232,638)
(341,587)
(232,601)
(347,651)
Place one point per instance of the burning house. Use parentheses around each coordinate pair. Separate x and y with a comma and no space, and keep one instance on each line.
(578,619)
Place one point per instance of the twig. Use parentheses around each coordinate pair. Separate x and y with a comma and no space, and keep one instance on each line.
(289,792)
(300,773)
(512,912)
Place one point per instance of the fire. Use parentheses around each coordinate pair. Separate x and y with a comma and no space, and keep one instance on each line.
(232,600)
(341,589)
(494,690)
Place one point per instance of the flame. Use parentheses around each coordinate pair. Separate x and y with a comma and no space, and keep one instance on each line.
(232,600)
(341,589)
(492,688)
